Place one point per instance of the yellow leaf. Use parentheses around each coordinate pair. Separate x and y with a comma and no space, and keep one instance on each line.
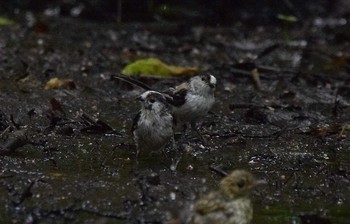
(157,68)
(56,83)
(54,174)
(5,21)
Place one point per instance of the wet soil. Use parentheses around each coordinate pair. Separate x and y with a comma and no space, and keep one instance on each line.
(67,155)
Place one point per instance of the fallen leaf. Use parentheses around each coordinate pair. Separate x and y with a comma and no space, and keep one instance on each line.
(56,105)
(337,63)
(54,174)
(5,21)
(40,27)
(56,83)
(287,18)
(156,68)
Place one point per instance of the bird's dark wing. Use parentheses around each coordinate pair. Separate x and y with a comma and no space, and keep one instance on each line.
(135,121)
(179,98)
(174,120)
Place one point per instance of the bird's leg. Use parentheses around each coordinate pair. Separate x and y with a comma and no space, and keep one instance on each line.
(175,159)
(195,129)
(172,154)
(137,155)
(180,136)
(137,152)
(190,128)
(174,163)
(136,163)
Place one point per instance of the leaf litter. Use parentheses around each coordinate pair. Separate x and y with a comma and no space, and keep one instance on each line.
(286,120)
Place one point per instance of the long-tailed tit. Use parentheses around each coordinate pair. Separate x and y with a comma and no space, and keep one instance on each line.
(190,100)
(152,127)
(193,99)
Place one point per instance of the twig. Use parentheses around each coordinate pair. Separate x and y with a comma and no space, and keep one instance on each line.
(246,106)
(218,171)
(268,50)
(121,215)
(95,126)
(26,192)
(256,78)
(6,176)
(5,131)
(131,81)
(17,126)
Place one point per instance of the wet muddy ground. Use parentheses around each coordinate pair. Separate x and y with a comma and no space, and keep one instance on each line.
(67,157)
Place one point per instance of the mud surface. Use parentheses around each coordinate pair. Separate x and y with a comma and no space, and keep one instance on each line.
(67,155)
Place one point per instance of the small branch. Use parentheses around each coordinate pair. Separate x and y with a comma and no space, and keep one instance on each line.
(17,126)
(131,81)
(218,171)
(6,176)
(121,215)
(26,193)
(5,131)
(268,50)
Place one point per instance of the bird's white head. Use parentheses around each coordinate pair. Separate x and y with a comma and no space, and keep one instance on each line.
(203,84)
(153,101)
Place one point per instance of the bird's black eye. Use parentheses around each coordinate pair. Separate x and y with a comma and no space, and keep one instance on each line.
(241,183)
(152,100)
(203,79)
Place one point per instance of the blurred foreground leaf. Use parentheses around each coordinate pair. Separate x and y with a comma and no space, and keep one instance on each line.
(5,21)
(156,68)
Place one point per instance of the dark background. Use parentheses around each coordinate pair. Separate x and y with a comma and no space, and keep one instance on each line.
(282,108)
(221,12)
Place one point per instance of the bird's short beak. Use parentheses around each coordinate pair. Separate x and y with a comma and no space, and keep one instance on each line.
(139,98)
(148,107)
(212,85)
